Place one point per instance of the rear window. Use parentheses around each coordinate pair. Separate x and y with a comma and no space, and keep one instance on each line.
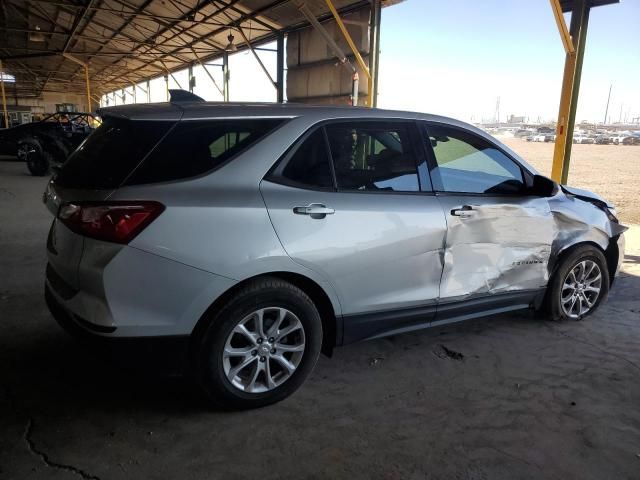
(110,153)
(196,147)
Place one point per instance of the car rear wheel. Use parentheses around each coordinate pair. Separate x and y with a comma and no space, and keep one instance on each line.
(38,161)
(260,347)
(579,285)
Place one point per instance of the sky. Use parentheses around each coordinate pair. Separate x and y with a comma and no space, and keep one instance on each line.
(456,57)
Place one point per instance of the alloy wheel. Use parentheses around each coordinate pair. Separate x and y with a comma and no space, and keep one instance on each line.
(581,289)
(263,350)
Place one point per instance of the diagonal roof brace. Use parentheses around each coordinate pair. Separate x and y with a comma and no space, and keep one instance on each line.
(337,51)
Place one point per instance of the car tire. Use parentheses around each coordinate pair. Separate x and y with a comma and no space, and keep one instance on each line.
(571,293)
(38,161)
(264,380)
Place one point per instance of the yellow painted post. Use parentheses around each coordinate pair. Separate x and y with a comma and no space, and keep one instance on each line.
(566,93)
(354,49)
(86,78)
(563,116)
(4,98)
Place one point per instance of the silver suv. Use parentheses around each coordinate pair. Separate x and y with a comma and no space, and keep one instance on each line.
(266,233)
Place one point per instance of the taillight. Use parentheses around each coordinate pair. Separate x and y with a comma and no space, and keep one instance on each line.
(117,222)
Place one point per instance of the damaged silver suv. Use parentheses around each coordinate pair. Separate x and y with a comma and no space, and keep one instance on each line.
(264,234)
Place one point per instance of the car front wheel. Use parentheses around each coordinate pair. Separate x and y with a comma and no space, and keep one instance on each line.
(260,347)
(579,285)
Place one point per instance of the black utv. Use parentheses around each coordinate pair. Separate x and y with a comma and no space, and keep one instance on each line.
(47,143)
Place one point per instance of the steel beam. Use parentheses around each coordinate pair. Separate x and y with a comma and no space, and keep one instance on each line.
(354,49)
(207,71)
(4,98)
(570,86)
(225,76)
(374,48)
(280,67)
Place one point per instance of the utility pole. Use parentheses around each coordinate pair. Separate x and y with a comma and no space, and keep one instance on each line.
(606,110)
(620,117)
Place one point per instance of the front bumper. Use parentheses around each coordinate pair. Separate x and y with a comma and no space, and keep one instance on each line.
(621,246)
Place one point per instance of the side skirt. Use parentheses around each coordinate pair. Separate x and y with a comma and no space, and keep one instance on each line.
(367,326)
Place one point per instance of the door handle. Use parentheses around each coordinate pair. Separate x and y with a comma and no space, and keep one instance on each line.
(465,211)
(316,210)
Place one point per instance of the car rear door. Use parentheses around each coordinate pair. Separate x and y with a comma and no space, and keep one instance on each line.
(352,201)
(499,237)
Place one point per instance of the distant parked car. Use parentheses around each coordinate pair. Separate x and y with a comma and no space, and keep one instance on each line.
(48,142)
(617,139)
(603,140)
(583,139)
(550,137)
(540,137)
(631,140)
(529,138)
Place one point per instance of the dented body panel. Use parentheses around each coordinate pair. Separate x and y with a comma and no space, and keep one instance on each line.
(503,244)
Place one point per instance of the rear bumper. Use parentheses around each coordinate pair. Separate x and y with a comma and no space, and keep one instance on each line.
(132,293)
(69,321)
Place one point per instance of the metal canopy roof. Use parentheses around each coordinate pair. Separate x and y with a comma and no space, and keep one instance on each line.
(125,41)
(567,5)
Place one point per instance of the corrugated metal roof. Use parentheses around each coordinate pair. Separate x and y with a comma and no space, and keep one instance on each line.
(126,41)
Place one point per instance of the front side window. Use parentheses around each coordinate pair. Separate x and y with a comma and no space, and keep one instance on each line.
(373,156)
(467,163)
(196,147)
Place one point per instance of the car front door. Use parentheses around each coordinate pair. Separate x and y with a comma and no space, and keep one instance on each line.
(353,202)
(499,236)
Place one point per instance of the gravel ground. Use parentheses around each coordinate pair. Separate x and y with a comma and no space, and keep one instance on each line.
(511,397)
(612,171)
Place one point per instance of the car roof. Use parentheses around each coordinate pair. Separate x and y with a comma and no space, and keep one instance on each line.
(211,110)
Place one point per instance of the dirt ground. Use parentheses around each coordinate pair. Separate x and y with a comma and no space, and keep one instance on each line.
(509,397)
(611,171)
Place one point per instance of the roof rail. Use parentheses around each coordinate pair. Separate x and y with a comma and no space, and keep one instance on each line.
(178,95)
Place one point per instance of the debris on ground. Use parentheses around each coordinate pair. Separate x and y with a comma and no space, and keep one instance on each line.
(374,361)
(445,352)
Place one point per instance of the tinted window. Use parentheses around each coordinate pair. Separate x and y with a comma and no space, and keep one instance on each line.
(373,156)
(470,164)
(110,153)
(309,165)
(196,147)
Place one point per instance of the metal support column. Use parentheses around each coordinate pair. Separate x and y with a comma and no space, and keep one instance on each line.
(574,42)
(374,48)
(191,79)
(280,67)
(354,49)
(148,92)
(225,76)
(135,98)
(4,98)
(86,76)
(166,85)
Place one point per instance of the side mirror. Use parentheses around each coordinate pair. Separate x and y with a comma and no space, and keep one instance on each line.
(542,186)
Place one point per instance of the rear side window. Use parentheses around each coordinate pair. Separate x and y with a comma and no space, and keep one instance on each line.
(373,156)
(196,147)
(309,165)
(110,153)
